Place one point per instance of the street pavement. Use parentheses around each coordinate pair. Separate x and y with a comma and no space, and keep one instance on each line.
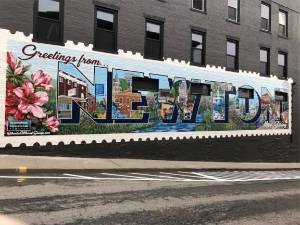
(171,197)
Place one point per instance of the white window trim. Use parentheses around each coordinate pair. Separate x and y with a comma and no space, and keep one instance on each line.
(237,11)
(269,17)
(203,6)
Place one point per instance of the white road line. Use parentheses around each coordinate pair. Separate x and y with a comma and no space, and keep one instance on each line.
(80,176)
(208,177)
(162,176)
(263,179)
(96,178)
(74,177)
(183,175)
(129,177)
(39,177)
(202,175)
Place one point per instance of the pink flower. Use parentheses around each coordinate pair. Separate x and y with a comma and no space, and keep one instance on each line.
(30,101)
(19,70)
(11,60)
(52,124)
(41,79)
(12,102)
(10,86)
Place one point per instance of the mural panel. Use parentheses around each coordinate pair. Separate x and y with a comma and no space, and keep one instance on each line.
(59,91)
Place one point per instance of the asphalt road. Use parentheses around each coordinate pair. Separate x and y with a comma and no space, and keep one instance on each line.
(167,197)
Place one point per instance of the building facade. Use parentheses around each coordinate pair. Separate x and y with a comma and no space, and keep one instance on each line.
(70,88)
(261,36)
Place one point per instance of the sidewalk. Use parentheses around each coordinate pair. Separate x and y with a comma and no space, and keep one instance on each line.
(11,162)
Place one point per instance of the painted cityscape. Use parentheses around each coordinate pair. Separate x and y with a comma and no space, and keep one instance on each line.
(40,98)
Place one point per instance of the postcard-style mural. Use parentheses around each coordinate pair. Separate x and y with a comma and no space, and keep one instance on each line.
(59,91)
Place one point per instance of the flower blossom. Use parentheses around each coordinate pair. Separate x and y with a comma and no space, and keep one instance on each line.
(30,101)
(17,69)
(41,79)
(11,60)
(12,102)
(52,124)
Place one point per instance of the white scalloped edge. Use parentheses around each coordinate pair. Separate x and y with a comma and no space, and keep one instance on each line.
(100,138)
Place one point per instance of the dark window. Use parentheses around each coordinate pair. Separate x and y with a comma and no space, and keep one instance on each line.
(198,4)
(198,48)
(246,93)
(232,55)
(106,30)
(200,89)
(154,40)
(282,64)
(233,10)
(265,17)
(283,23)
(265,61)
(281,96)
(48,26)
(145,84)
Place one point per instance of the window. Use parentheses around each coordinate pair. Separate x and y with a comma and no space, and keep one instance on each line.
(232,55)
(282,64)
(265,61)
(233,10)
(75,85)
(154,40)
(48,27)
(106,30)
(198,48)
(145,84)
(265,17)
(199,4)
(282,23)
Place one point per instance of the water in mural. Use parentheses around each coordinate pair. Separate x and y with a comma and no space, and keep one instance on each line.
(65,91)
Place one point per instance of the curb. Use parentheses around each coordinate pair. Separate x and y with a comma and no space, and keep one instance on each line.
(24,164)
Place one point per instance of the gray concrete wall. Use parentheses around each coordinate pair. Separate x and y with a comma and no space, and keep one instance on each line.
(17,15)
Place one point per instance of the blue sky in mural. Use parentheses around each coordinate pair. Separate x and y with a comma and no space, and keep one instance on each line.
(163,81)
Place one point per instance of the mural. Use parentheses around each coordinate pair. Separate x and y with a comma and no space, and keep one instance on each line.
(64,91)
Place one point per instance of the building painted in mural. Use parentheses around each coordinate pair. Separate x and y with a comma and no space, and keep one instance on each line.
(70,88)
(216,85)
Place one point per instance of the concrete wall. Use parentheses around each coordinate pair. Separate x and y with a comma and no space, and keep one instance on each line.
(17,15)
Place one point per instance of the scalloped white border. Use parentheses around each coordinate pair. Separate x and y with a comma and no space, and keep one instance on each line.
(5,35)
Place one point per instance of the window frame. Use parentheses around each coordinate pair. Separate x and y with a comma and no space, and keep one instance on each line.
(236,41)
(237,20)
(161,40)
(270,17)
(203,5)
(286,25)
(115,12)
(285,75)
(60,21)
(203,56)
(268,72)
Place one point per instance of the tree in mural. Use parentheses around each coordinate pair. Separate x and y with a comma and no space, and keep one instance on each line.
(27,96)
(124,85)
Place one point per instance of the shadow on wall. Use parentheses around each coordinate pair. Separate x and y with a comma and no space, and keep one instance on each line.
(237,149)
